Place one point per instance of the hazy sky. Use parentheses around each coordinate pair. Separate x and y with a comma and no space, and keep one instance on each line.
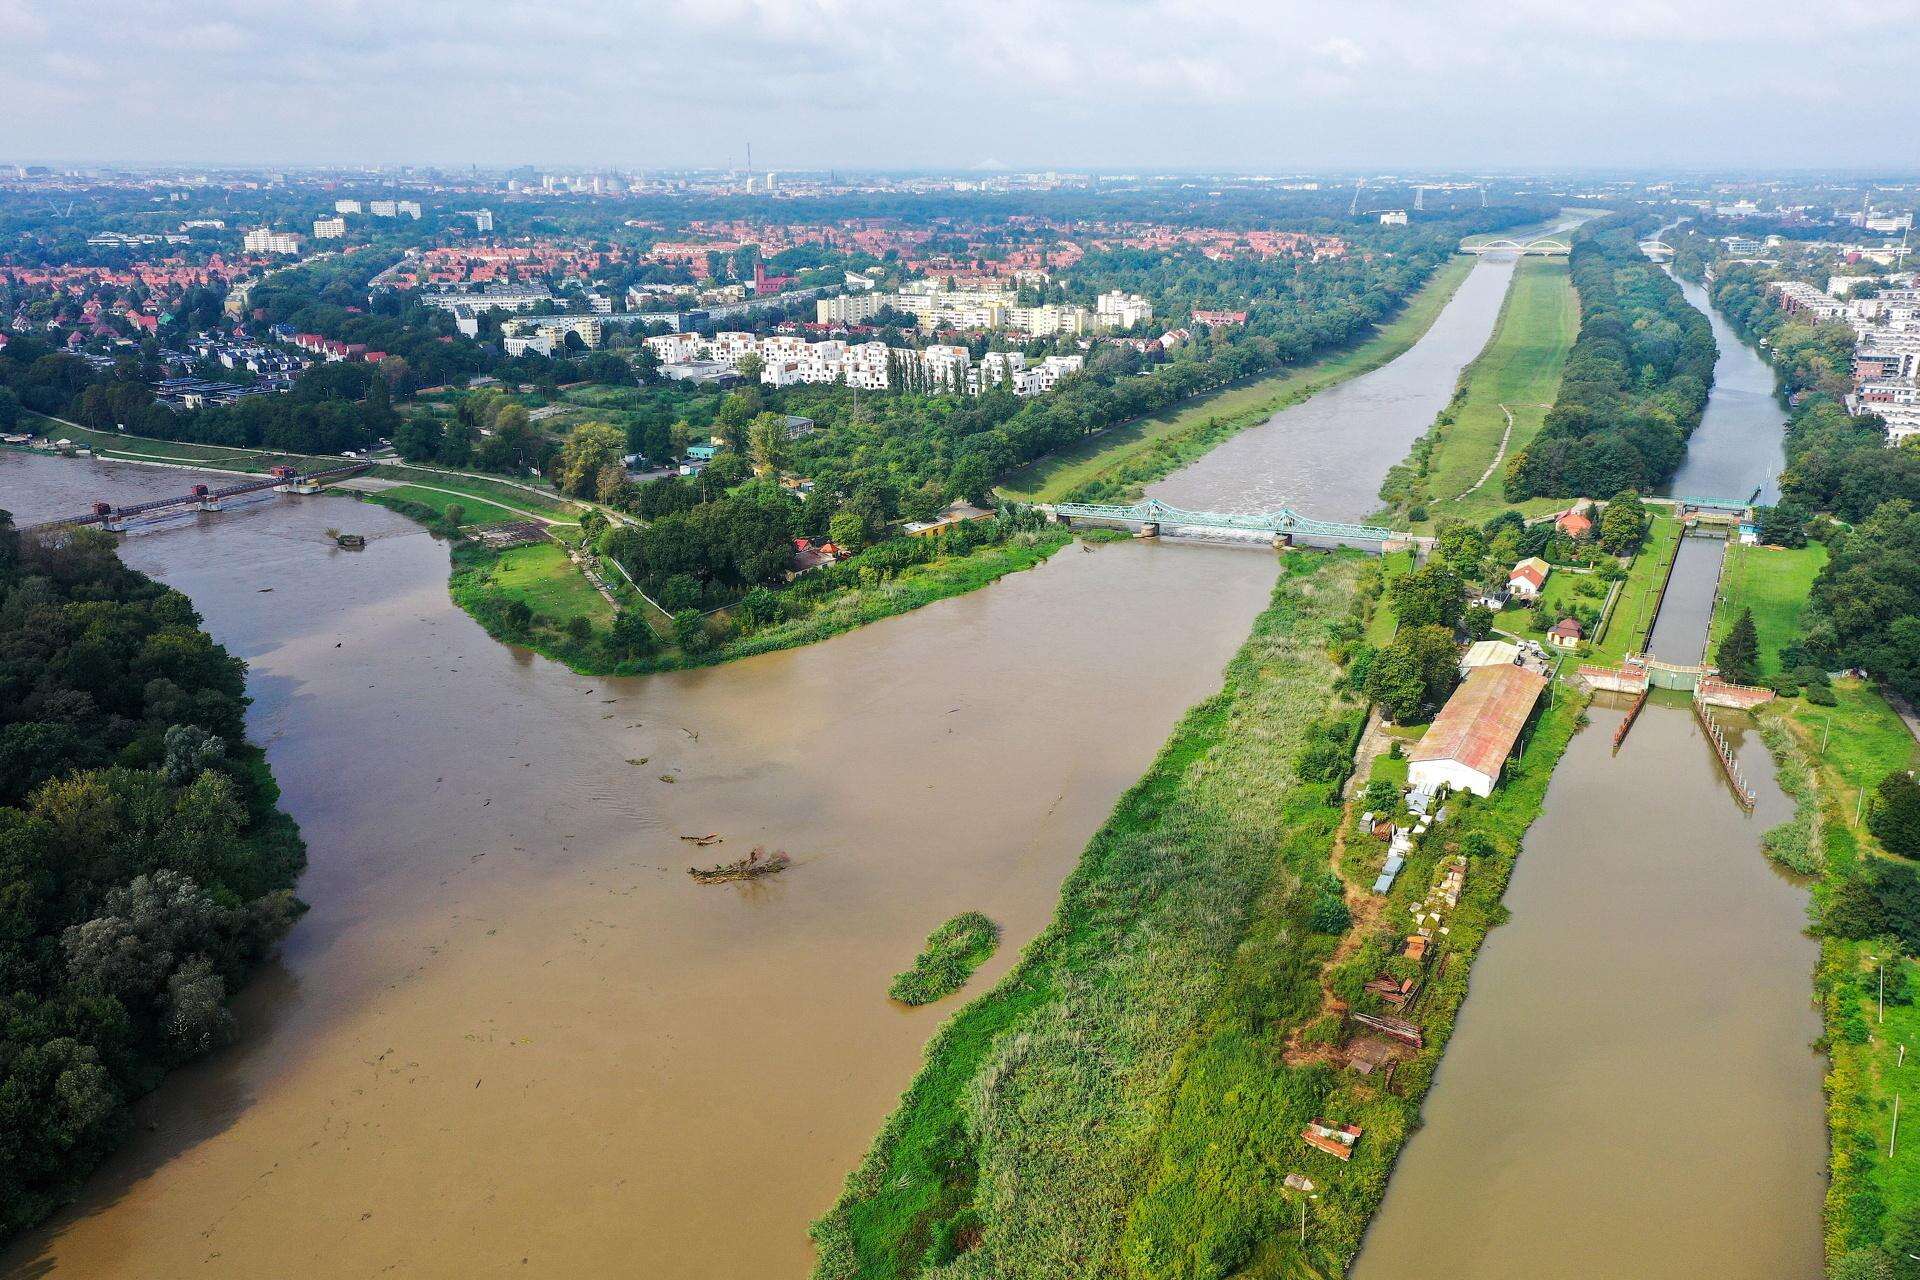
(915,83)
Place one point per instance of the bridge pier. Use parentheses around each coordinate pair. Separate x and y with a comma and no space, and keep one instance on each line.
(1148,529)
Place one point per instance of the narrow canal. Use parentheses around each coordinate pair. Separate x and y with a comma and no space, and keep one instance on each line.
(512,1037)
(1631,1089)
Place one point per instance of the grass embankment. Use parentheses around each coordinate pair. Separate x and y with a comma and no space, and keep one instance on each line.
(953,952)
(118,446)
(1125,457)
(1829,758)
(1030,1126)
(1775,583)
(1122,1104)
(524,498)
(1518,373)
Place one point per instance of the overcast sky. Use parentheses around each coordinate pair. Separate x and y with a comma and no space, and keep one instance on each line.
(1256,85)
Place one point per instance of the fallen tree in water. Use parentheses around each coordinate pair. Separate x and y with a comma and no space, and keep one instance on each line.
(757,863)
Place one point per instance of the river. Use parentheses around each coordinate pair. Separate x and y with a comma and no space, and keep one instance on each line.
(1740,444)
(1631,1089)
(512,1037)
(1327,456)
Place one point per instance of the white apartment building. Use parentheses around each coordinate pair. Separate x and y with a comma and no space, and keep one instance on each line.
(347,206)
(786,361)
(591,329)
(530,344)
(329,228)
(383,208)
(408,209)
(267,240)
(852,308)
(1117,310)
(1050,319)
(494,297)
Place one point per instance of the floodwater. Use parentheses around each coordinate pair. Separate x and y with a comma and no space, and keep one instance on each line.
(1740,444)
(512,1037)
(1327,456)
(1631,1090)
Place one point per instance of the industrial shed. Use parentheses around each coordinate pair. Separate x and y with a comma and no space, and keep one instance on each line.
(1470,740)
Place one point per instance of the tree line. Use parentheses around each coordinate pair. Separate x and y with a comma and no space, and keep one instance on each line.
(1636,380)
(144,866)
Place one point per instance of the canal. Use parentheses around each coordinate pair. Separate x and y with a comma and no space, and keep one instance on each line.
(1631,1089)
(512,1036)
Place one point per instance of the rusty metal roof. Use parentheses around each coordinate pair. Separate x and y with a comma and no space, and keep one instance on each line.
(1483,719)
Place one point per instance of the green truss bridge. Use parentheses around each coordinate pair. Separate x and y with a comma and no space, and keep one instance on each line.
(1282,528)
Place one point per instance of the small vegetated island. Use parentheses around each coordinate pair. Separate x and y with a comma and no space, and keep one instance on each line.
(953,952)
(144,865)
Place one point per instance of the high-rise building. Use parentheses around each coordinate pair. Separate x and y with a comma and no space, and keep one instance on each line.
(267,240)
(346,206)
(329,228)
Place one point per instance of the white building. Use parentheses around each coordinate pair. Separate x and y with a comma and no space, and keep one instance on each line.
(329,228)
(383,208)
(267,240)
(347,206)
(1467,746)
(530,344)
(408,209)
(1394,218)
(786,361)
(1117,310)
(852,308)
(493,297)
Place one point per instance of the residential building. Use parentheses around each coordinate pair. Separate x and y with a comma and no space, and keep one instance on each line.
(347,206)
(1219,319)
(1394,218)
(1565,634)
(267,240)
(852,308)
(1118,310)
(491,297)
(329,228)
(407,209)
(383,208)
(1527,578)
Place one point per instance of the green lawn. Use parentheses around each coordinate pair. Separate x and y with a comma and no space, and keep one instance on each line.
(1562,593)
(1520,369)
(1774,583)
(543,576)
(1148,448)
(474,510)
(1632,618)
(494,491)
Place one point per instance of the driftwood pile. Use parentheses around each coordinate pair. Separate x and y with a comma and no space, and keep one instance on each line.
(757,863)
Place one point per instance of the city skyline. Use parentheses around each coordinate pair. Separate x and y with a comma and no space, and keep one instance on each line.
(811,84)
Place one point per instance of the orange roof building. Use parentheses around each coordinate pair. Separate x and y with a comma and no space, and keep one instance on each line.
(1469,741)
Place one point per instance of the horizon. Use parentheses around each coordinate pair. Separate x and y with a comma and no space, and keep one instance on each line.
(1162,85)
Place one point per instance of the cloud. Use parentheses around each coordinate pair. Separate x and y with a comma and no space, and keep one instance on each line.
(813,83)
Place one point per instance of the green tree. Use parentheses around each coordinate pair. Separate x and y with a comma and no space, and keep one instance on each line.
(1429,596)
(847,530)
(589,448)
(1624,524)
(767,442)
(1895,818)
(1739,653)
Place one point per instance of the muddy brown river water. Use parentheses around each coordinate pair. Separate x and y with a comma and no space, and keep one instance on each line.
(512,1037)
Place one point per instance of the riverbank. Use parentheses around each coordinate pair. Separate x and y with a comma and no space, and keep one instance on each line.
(1120,460)
(540,597)
(1831,754)
(1025,1135)
(1457,469)
(1127,1101)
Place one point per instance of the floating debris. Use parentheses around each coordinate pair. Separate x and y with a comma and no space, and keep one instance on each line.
(712,837)
(755,864)
(667,777)
(637,763)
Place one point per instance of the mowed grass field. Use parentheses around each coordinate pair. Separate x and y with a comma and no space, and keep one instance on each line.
(1520,369)
(1128,451)
(543,576)
(1774,582)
